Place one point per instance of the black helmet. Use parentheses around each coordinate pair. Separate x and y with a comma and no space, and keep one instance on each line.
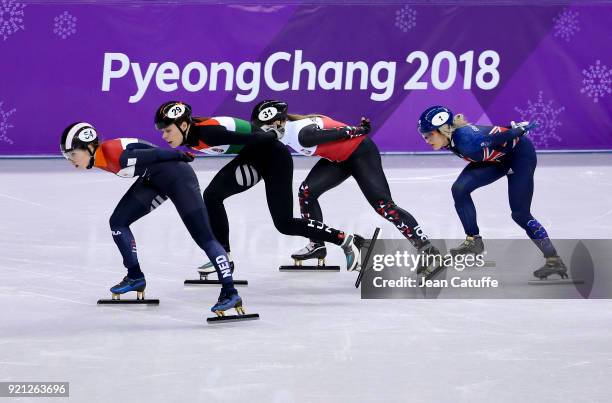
(268,111)
(172,112)
(80,135)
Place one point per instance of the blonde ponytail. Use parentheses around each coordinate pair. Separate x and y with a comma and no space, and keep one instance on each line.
(458,121)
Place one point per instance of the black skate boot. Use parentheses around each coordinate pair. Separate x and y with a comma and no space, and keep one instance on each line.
(472,245)
(314,250)
(431,262)
(554,265)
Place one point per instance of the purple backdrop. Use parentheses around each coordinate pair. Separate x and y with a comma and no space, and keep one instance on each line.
(67,62)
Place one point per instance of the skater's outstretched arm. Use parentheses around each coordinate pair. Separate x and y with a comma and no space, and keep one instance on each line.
(219,135)
(469,142)
(141,154)
(312,135)
(505,134)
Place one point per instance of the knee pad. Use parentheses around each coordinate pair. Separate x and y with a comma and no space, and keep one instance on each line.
(387,209)
(536,229)
(304,196)
(304,191)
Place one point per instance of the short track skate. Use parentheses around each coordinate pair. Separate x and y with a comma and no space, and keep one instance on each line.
(206,270)
(227,302)
(311,251)
(129,285)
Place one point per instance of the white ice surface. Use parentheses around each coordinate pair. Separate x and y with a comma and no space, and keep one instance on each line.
(317,341)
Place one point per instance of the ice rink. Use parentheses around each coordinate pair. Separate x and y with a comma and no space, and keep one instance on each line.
(317,341)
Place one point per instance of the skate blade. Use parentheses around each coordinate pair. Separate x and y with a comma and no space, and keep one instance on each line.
(214,282)
(556,281)
(232,318)
(309,268)
(435,273)
(128,301)
(363,265)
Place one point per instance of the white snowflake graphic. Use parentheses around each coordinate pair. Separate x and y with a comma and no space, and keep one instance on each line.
(65,25)
(566,24)
(405,18)
(11,17)
(597,81)
(546,115)
(4,124)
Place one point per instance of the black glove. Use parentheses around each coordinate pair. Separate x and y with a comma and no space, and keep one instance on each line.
(365,125)
(279,132)
(186,156)
(357,131)
(350,132)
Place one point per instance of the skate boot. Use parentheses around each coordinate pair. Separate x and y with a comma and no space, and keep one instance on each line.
(208,268)
(472,245)
(431,262)
(352,250)
(314,250)
(229,299)
(554,265)
(129,284)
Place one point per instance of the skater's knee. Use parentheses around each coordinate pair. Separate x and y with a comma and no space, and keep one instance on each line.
(283,226)
(306,193)
(117,220)
(460,189)
(210,196)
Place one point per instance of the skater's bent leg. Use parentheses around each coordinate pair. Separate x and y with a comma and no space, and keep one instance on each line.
(235,177)
(139,200)
(367,170)
(279,179)
(473,176)
(520,194)
(324,176)
(199,229)
(185,194)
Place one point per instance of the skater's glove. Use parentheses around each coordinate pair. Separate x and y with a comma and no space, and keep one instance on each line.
(350,132)
(524,126)
(186,156)
(364,126)
(278,131)
(531,126)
